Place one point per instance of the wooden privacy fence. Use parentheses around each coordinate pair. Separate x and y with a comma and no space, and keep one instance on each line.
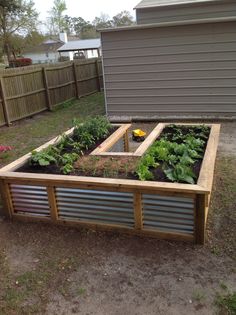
(31,90)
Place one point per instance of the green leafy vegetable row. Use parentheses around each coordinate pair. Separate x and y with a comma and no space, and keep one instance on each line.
(67,151)
(175,159)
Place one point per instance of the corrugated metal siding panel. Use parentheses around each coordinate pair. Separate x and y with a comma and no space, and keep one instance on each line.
(95,206)
(190,68)
(118,146)
(30,200)
(168,214)
(186,12)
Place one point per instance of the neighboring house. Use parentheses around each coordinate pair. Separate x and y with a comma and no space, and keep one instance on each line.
(155,11)
(47,51)
(180,62)
(84,48)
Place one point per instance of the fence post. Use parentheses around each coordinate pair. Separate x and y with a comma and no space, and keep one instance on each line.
(4,103)
(76,80)
(47,92)
(98,76)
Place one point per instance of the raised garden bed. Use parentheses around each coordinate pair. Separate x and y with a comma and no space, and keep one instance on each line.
(170,210)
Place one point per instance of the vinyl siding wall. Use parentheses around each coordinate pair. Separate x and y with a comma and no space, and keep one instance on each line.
(171,13)
(177,69)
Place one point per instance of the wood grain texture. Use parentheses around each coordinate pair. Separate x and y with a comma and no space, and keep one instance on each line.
(150,139)
(207,169)
(52,203)
(6,199)
(138,211)
(200,219)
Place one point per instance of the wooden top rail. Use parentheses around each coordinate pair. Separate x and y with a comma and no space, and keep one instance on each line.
(91,61)
(206,175)
(58,68)
(98,183)
(150,139)
(25,72)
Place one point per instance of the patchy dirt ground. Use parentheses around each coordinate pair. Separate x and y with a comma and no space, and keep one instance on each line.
(63,271)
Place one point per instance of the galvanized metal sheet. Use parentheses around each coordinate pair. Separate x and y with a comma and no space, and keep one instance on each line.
(95,206)
(168,213)
(30,200)
(118,146)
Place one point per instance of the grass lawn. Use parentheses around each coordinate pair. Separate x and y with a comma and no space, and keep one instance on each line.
(28,134)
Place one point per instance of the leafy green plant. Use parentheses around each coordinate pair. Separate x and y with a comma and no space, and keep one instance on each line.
(67,160)
(67,169)
(180,173)
(97,127)
(143,172)
(45,157)
(194,143)
(177,158)
(149,160)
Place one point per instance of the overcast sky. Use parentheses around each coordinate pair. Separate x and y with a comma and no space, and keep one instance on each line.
(88,9)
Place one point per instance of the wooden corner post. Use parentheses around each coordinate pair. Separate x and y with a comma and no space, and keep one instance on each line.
(6,199)
(138,211)
(200,219)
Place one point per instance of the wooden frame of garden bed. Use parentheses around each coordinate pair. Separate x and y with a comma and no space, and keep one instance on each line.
(140,202)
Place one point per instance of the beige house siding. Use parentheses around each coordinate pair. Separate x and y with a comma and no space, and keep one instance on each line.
(174,69)
(198,10)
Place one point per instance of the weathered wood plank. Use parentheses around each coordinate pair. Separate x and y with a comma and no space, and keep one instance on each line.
(6,199)
(200,219)
(208,164)
(150,139)
(4,103)
(96,182)
(138,211)
(47,92)
(52,203)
